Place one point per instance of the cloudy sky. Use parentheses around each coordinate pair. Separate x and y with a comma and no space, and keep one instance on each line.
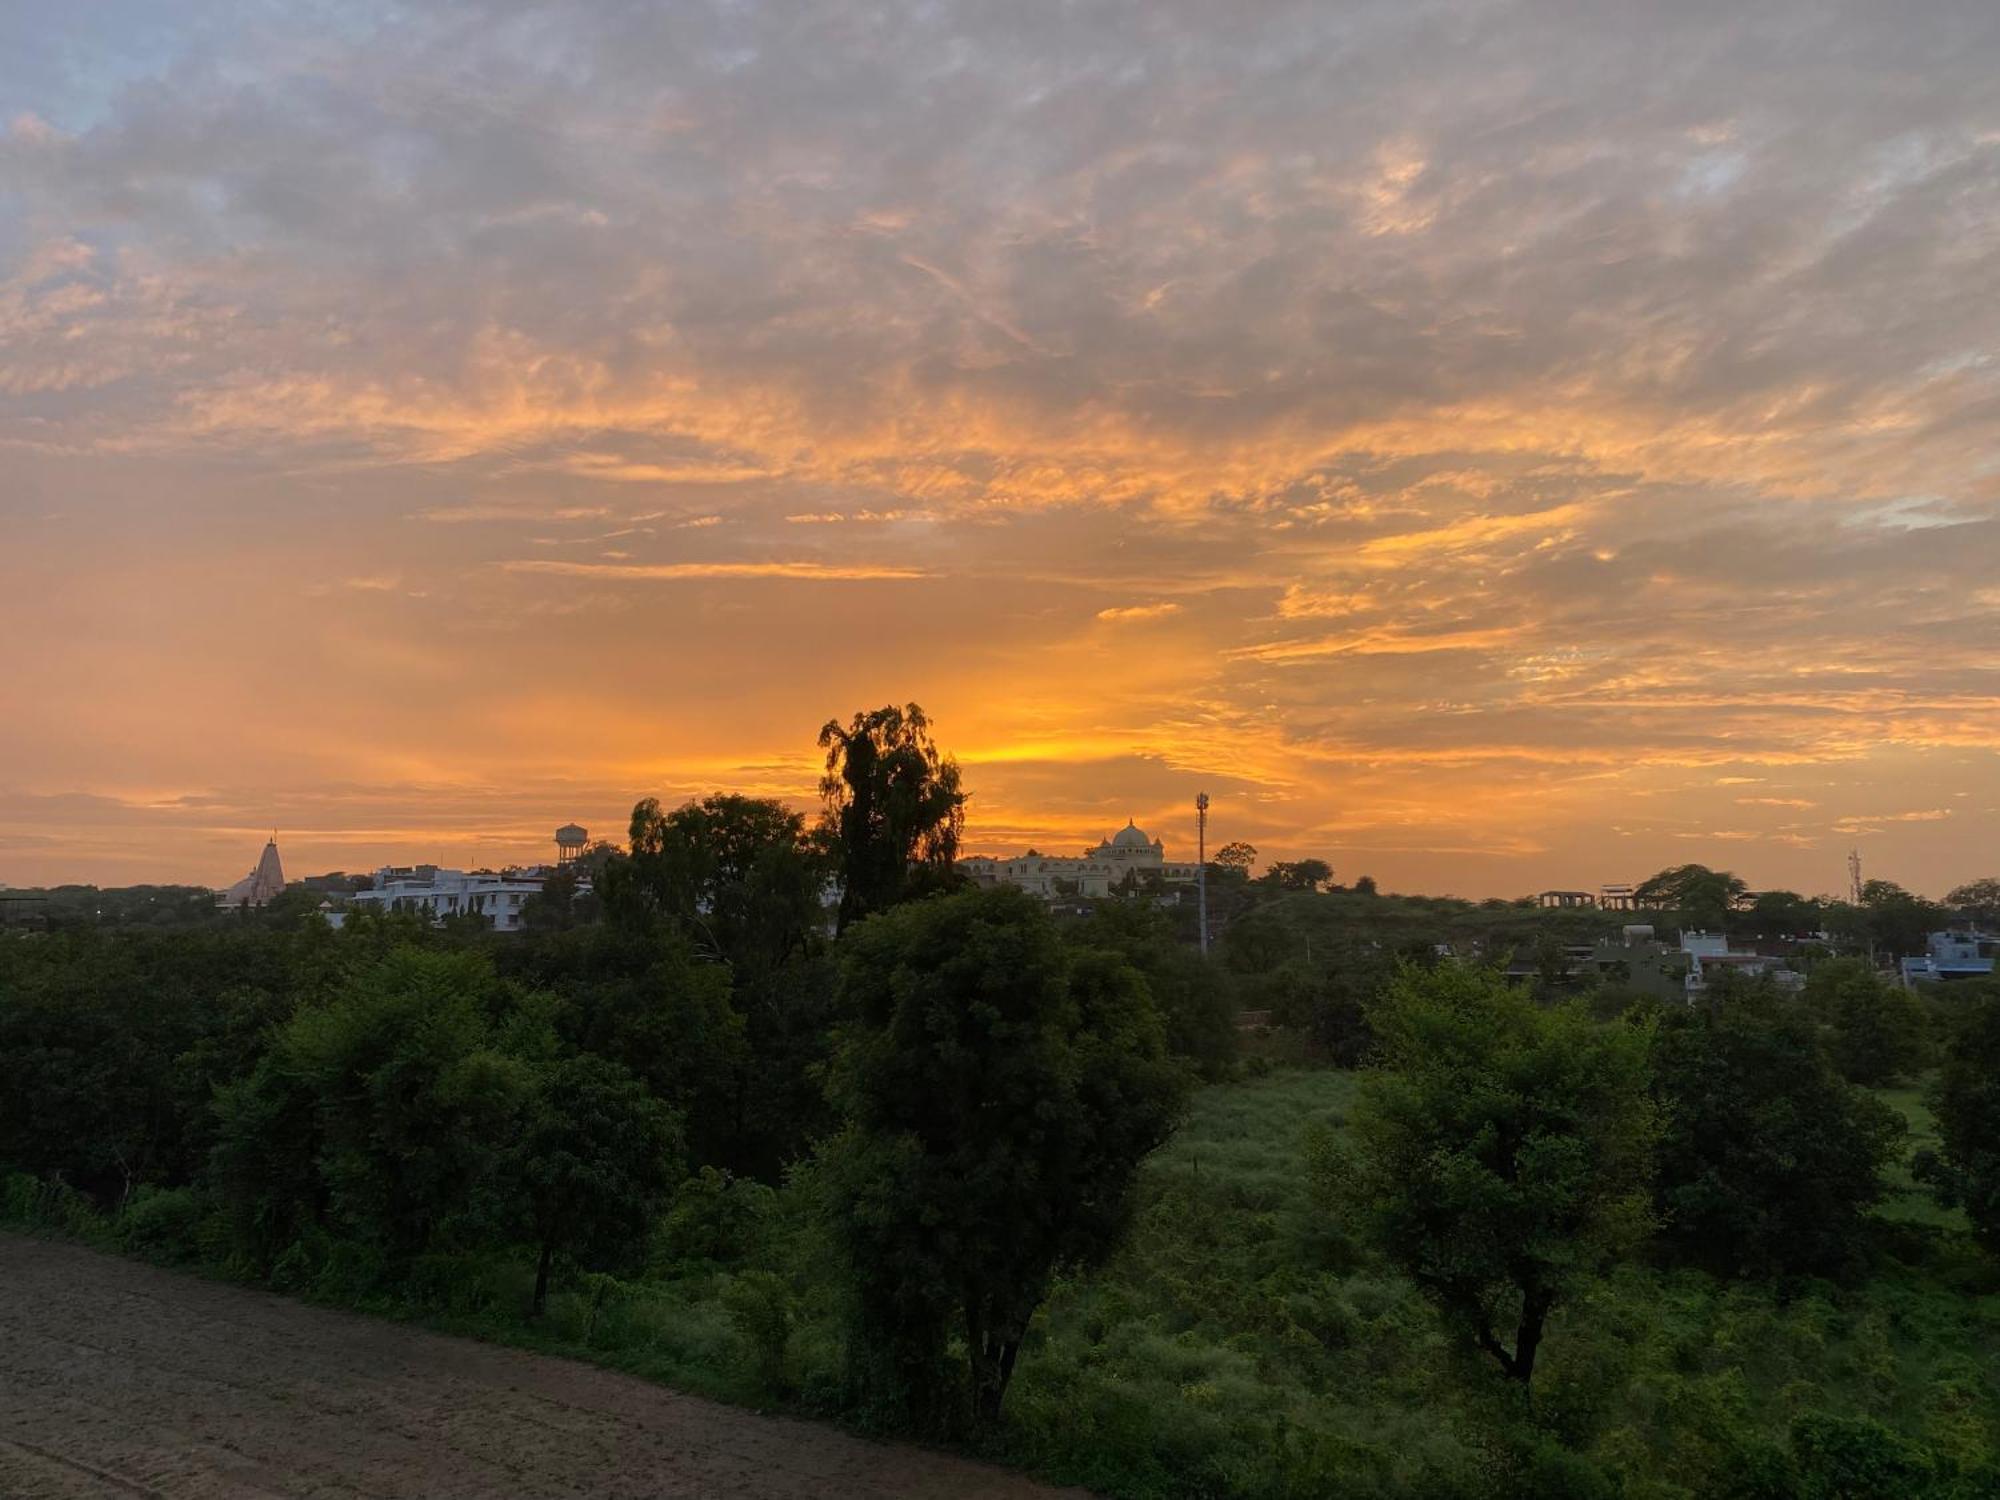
(1488,445)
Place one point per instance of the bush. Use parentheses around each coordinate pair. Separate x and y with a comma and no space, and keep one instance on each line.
(162,1224)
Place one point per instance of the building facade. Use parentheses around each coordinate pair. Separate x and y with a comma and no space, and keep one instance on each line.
(1127,856)
(428,891)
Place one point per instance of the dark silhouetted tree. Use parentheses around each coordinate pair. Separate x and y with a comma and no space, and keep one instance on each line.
(1770,1160)
(1697,896)
(894,809)
(999,1092)
(1977,901)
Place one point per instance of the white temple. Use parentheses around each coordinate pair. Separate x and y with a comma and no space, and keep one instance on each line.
(1128,853)
(261,884)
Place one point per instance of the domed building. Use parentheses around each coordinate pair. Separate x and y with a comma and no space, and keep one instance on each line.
(1127,854)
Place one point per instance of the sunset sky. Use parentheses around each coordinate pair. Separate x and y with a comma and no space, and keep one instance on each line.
(1489,446)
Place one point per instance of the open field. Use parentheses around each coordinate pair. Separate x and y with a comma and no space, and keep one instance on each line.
(118,1379)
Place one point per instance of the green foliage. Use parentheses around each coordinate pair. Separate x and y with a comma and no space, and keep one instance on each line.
(1769,1161)
(714,1220)
(1502,1152)
(1966,1099)
(998,1095)
(1698,896)
(738,877)
(894,809)
(1878,1028)
(1190,994)
(1895,921)
(594,1155)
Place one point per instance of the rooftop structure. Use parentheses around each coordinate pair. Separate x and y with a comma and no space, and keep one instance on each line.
(1949,957)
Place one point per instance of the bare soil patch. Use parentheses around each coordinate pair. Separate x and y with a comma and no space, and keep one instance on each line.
(119,1379)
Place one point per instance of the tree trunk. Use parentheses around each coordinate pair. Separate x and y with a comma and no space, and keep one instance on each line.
(992,1355)
(542,1280)
(1528,1336)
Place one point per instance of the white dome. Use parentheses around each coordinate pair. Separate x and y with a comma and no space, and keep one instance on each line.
(1130,837)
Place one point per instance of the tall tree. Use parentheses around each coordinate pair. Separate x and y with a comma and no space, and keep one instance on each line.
(999,1093)
(894,809)
(1503,1151)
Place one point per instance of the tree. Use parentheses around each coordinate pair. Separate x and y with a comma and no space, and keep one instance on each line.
(998,1093)
(1769,1161)
(1966,1100)
(1878,1029)
(592,1161)
(743,881)
(1897,922)
(1298,875)
(739,876)
(1196,1013)
(1977,901)
(1782,914)
(1235,859)
(646,1001)
(894,810)
(1503,1151)
(1702,898)
(407,1096)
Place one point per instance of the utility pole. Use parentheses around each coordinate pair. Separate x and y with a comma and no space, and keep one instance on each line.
(1201,865)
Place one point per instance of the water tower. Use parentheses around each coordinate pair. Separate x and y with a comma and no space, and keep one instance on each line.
(570,843)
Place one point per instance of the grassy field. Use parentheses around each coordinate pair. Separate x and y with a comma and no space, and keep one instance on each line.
(1243,1345)
(1909,1202)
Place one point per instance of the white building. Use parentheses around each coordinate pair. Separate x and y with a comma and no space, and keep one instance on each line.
(1127,854)
(439,894)
(1709,954)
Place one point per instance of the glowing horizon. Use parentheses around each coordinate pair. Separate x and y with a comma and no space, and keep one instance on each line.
(1484,447)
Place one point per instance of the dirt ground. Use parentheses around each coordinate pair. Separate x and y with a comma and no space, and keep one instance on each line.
(118,1379)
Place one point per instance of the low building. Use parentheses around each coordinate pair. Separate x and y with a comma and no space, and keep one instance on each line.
(1949,957)
(1709,954)
(425,890)
(1128,855)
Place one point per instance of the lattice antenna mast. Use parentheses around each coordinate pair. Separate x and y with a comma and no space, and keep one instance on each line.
(1854,876)
(1201,866)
